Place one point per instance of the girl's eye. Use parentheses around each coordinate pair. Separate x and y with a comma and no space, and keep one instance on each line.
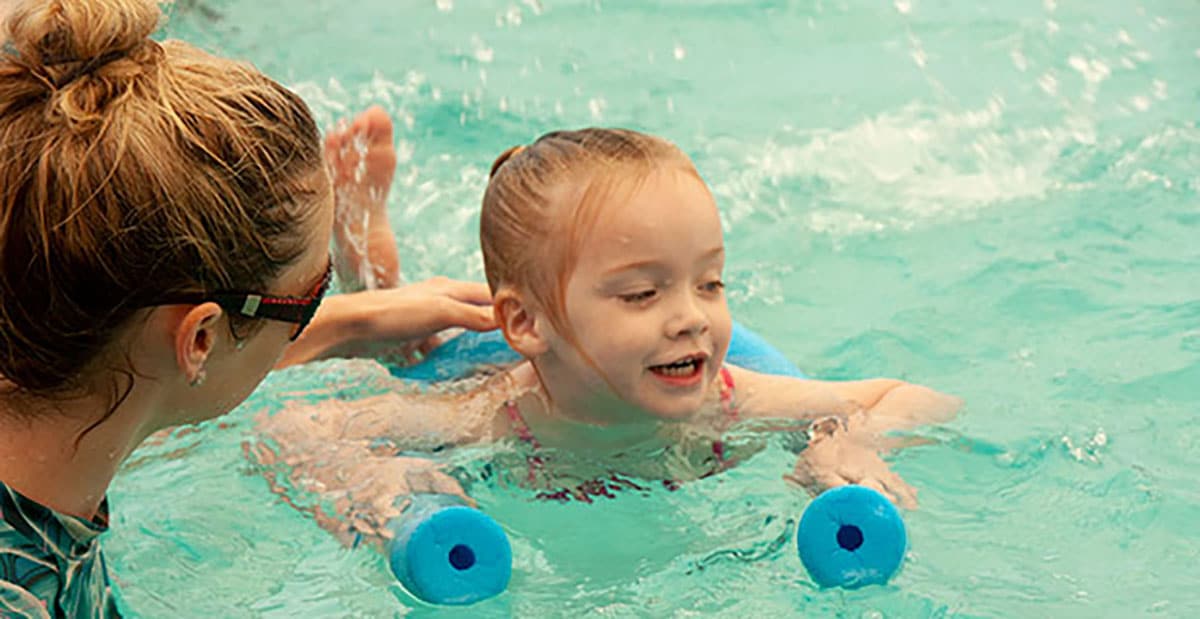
(638,297)
(714,286)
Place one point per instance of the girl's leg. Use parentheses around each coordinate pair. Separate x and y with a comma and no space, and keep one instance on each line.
(362,161)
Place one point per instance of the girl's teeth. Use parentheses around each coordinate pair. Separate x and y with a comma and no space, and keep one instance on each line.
(684,369)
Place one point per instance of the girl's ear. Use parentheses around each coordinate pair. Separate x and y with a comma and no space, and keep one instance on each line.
(523,325)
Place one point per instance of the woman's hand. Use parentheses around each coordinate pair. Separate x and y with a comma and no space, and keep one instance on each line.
(407,319)
(843,452)
(398,322)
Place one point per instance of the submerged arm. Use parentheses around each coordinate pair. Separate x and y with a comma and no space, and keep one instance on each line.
(351,489)
(848,419)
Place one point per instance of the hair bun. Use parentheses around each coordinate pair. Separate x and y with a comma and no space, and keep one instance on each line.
(504,156)
(89,33)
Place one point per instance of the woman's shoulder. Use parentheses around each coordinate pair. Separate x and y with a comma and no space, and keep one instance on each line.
(49,562)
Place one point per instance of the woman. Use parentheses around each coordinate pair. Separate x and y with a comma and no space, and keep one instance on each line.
(165,218)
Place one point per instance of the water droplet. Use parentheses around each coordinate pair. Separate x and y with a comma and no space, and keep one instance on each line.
(596,106)
(445,6)
(903,6)
(1049,84)
(919,57)
(680,52)
(1019,60)
(513,16)
(535,6)
(482,52)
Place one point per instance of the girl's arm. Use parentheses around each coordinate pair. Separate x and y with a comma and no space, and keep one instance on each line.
(392,422)
(885,403)
(350,486)
(339,461)
(845,442)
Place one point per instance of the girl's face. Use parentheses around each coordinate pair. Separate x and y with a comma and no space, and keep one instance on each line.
(646,304)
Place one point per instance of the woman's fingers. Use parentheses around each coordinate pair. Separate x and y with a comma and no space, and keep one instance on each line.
(477,318)
(430,344)
(457,313)
(474,293)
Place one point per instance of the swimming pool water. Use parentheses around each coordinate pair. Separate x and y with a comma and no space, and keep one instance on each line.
(999,199)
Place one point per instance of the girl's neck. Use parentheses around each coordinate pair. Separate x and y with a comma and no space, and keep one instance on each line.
(578,426)
(48,454)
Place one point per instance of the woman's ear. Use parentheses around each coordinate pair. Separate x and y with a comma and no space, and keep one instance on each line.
(195,337)
(522,324)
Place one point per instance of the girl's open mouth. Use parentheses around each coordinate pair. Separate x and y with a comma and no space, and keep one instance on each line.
(682,372)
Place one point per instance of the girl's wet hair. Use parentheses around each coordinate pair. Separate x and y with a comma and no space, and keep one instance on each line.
(131,170)
(542,199)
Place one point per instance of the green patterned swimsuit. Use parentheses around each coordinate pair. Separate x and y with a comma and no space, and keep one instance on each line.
(50,564)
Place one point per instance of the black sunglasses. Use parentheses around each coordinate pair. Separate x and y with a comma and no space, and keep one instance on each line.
(296,310)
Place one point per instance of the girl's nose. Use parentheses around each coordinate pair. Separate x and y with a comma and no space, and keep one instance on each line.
(688,319)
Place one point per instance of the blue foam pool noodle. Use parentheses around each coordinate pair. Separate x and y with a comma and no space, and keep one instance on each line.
(445,552)
(850,537)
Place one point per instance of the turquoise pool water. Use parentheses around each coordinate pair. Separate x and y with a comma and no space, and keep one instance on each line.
(1000,199)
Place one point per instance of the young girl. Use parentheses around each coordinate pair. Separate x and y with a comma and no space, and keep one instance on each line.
(603,250)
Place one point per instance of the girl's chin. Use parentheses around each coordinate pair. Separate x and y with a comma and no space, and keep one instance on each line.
(675,412)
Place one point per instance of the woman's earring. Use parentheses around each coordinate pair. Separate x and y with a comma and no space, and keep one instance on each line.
(198,379)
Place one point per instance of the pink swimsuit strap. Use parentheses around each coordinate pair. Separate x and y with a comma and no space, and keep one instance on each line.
(730,410)
(727,403)
(518,423)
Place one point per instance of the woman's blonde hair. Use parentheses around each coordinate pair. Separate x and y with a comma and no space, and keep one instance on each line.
(131,170)
(542,200)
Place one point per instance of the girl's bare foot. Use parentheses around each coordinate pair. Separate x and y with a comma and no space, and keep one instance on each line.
(362,161)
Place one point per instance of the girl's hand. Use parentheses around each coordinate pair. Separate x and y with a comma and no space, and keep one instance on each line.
(843,453)
(379,489)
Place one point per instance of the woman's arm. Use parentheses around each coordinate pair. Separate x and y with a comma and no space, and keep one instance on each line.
(372,323)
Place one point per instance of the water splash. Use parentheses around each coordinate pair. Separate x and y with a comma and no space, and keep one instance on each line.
(896,169)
